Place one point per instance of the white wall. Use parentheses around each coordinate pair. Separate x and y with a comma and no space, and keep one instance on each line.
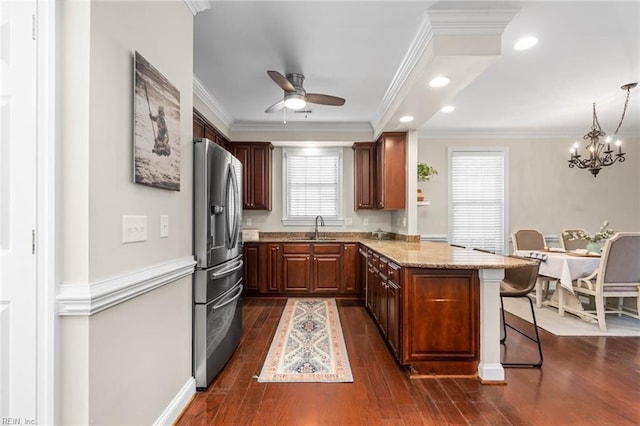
(544,193)
(123,365)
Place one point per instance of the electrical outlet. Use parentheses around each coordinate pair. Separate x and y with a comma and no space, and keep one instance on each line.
(164,226)
(404,222)
(348,221)
(249,221)
(365,221)
(134,228)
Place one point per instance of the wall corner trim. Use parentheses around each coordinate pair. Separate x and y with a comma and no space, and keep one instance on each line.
(196,6)
(91,298)
(177,404)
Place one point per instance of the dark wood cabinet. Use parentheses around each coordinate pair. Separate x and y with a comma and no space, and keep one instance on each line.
(393,307)
(256,158)
(296,268)
(440,320)
(364,169)
(251,267)
(391,173)
(379,168)
(202,128)
(272,267)
(350,269)
(327,268)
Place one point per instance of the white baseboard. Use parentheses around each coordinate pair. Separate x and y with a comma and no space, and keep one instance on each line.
(177,404)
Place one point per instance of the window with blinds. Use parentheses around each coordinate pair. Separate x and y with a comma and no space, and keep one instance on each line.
(312,183)
(477,199)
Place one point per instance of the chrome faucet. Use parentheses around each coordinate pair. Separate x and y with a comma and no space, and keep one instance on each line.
(321,224)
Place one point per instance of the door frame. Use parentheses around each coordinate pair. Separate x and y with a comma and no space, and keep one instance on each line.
(48,196)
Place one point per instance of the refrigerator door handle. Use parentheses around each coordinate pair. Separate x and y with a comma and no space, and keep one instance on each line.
(235,296)
(227,271)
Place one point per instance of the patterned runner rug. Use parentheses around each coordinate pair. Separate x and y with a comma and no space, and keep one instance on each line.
(308,345)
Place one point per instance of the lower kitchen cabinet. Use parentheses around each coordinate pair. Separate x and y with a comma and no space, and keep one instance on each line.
(251,267)
(440,319)
(350,269)
(296,268)
(327,268)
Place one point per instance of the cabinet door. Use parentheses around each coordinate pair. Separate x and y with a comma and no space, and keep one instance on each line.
(373,281)
(251,266)
(210,133)
(261,179)
(364,168)
(327,273)
(350,269)
(242,153)
(393,316)
(296,273)
(440,315)
(273,267)
(391,171)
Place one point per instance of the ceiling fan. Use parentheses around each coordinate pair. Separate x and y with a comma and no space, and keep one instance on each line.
(295,97)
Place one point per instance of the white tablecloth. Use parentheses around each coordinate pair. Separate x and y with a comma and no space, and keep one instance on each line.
(562,266)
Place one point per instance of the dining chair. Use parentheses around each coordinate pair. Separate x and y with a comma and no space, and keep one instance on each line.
(572,244)
(532,239)
(618,275)
(528,239)
(518,283)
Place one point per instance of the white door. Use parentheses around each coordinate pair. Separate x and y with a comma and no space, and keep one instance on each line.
(17,211)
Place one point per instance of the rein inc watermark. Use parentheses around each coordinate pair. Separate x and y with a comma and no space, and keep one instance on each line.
(17,421)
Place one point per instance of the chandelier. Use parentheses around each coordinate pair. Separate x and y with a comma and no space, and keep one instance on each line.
(600,153)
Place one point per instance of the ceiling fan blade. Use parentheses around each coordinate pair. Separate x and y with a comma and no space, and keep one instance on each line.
(281,81)
(318,98)
(276,107)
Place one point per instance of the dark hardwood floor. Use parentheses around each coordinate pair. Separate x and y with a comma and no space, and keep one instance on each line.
(584,381)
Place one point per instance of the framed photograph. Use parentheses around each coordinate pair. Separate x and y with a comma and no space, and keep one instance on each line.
(156,155)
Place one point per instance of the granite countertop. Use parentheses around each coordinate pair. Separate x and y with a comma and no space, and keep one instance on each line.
(420,254)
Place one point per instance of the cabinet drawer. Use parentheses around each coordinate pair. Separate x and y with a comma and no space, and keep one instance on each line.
(383,265)
(324,248)
(394,272)
(296,248)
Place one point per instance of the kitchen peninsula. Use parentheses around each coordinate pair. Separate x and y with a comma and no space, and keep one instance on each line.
(437,306)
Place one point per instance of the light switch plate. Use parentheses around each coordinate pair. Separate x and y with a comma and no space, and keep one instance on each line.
(164,226)
(134,228)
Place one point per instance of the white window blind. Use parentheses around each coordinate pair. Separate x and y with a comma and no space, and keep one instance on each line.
(477,199)
(312,184)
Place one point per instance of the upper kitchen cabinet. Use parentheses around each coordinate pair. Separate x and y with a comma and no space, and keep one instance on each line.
(364,168)
(391,171)
(256,163)
(202,128)
(380,173)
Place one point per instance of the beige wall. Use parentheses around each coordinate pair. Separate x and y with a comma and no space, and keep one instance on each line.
(123,365)
(272,221)
(544,193)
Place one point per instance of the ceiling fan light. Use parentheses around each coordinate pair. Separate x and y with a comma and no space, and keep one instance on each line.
(295,101)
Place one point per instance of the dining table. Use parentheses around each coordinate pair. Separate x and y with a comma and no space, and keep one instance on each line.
(564,267)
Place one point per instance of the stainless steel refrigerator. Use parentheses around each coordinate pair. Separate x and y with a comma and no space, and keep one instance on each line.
(217,240)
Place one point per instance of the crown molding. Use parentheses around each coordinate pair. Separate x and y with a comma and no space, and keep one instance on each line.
(507,133)
(91,298)
(421,40)
(470,22)
(333,127)
(196,6)
(212,103)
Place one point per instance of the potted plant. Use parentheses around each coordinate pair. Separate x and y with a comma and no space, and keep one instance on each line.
(425,172)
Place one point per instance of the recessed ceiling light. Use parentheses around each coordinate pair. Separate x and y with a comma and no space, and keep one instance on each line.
(439,81)
(525,43)
(447,108)
(406,119)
